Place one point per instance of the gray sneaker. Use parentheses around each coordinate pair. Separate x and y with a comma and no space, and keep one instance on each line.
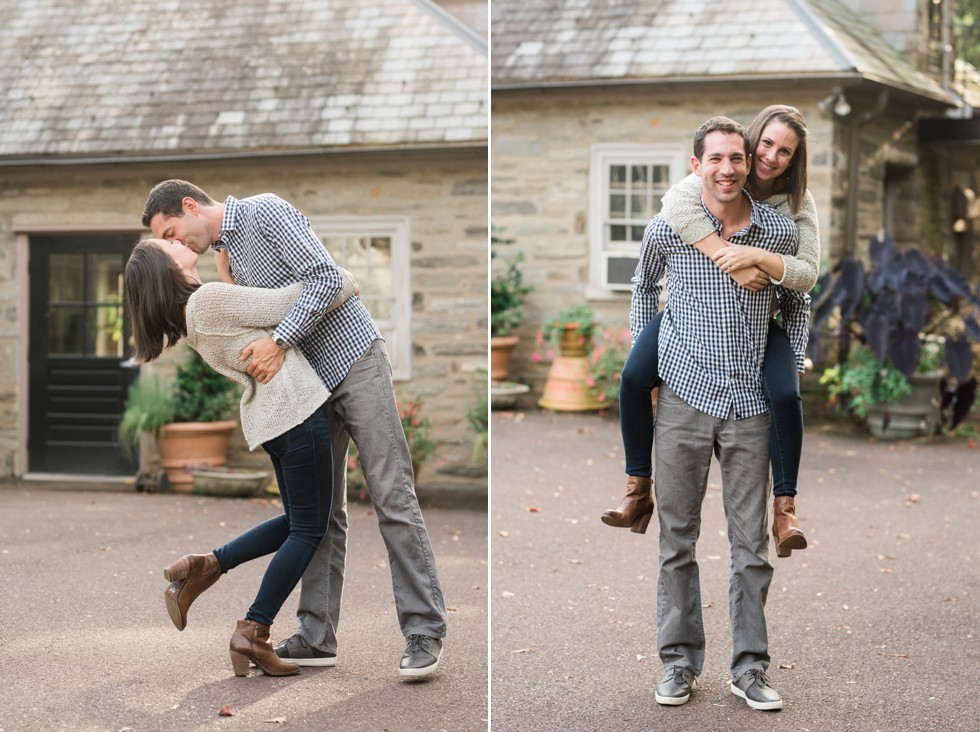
(296,649)
(421,656)
(676,687)
(753,686)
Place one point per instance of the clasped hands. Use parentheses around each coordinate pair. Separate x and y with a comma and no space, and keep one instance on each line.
(740,262)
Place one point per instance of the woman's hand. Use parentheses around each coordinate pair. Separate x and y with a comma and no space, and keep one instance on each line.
(737,256)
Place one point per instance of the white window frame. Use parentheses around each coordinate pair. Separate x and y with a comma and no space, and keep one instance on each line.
(397,330)
(601,157)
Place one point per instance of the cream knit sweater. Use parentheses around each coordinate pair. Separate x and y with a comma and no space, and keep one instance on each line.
(222,319)
(682,211)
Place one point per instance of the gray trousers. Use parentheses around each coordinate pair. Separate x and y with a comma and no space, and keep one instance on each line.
(363,408)
(685,441)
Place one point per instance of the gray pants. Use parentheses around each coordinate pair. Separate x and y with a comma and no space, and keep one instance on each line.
(362,408)
(685,440)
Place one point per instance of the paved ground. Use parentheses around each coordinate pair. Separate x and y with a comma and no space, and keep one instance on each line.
(876,626)
(86,643)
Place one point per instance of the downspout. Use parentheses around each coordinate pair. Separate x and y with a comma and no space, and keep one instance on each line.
(853,177)
(854,170)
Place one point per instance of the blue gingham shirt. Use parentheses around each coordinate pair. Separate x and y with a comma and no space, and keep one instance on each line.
(713,333)
(270,244)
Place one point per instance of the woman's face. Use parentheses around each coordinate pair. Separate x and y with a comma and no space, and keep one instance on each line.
(186,259)
(777,146)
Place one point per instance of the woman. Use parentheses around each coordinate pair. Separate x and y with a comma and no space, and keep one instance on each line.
(167,301)
(778,177)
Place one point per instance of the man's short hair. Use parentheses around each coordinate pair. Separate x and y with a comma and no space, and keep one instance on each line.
(167,198)
(719,124)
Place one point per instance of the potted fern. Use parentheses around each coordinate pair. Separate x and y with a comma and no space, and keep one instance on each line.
(507,293)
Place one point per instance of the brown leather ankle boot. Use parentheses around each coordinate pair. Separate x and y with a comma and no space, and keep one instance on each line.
(785,532)
(251,642)
(189,576)
(636,508)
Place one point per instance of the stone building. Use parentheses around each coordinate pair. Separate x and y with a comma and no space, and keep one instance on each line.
(370,117)
(594,106)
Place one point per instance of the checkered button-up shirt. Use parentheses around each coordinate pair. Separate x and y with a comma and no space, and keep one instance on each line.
(713,333)
(270,244)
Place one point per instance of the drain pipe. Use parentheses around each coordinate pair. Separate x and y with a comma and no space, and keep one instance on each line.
(853,177)
(854,170)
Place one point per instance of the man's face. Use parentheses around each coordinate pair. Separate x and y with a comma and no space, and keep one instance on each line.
(723,167)
(191,229)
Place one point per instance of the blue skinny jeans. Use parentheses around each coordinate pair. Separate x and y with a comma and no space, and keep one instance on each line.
(302,460)
(780,385)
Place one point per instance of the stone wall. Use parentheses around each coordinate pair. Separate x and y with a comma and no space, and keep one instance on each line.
(444,194)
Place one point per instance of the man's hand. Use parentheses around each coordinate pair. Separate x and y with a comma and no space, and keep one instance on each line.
(266,357)
(752,279)
(222,260)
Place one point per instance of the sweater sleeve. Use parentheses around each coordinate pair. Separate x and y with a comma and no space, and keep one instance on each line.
(684,213)
(800,272)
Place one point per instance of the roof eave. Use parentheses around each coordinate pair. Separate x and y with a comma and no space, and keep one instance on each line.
(184,157)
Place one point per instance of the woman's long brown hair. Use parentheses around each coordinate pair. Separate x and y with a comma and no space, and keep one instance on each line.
(156,292)
(793,179)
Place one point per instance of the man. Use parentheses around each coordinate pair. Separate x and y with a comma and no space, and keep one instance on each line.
(712,342)
(268,243)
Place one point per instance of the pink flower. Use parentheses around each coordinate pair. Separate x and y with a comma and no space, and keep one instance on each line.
(535,357)
(550,355)
(590,381)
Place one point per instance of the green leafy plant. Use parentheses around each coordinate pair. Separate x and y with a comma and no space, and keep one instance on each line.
(554,327)
(478,415)
(418,431)
(150,405)
(202,394)
(863,382)
(609,353)
(905,300)
(507,290)
(198,394)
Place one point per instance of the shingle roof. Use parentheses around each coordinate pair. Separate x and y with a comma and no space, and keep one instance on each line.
(149,77)
(545,42)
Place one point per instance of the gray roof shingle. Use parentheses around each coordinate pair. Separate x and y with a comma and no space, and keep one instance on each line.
(553,42)
(164,77)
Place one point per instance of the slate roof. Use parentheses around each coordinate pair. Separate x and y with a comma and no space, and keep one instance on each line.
(556,42)
(104,78)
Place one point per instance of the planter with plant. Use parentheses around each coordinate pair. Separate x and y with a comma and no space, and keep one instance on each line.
(569,331)
(609,353)
(910,314)
(507,293)
(190,418)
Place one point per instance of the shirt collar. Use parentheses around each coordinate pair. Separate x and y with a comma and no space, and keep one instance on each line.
(227,222)
(754,220)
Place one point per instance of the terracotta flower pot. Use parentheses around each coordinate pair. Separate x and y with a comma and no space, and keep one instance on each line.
(182,444)
(501,349)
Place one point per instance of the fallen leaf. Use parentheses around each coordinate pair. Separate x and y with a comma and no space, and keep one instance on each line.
(451,610)
(576,561)
(887,570)
(895,655)
(275,720)
(785,665)
(533,509)
(525,650)
(911,498)
(507,594)
(504,534)
(226,711)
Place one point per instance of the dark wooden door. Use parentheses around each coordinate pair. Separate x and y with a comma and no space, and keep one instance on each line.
(79,349)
